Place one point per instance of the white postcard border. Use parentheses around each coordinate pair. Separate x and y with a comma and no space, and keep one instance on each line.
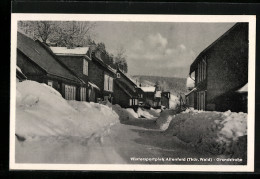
(15,17)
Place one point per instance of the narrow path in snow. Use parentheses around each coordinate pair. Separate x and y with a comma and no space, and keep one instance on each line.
(138,139)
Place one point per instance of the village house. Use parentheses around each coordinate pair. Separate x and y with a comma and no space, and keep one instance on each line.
(165,99)
(38,63)
(78,61)
(152,96)
(221,73)
(101,74)
(126,91)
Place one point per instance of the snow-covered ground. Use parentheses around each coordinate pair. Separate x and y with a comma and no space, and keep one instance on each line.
(214,132)
(41,111)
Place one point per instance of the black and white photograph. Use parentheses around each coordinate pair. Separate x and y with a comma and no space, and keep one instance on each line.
(132,92)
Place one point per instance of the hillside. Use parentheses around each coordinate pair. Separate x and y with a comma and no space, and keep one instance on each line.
(172,84)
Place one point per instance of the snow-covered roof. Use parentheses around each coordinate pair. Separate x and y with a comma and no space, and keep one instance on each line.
(93,85)
(19,69)
(148,89)
(243,89)
(69,51)
(194,89)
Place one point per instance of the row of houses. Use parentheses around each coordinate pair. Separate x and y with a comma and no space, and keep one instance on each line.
(220,73)
(82,74)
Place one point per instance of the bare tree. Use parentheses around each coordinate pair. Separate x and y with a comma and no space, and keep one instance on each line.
(62,33)
(120,59)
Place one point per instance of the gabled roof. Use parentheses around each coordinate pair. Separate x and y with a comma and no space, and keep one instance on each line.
(40,54)
(100,62)
(195,62)
(124,89)
(69,51)
(127,77)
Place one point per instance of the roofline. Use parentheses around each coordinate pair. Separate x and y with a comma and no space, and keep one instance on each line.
(127,77)
(59,61)
(212,44)
(43,69)
(102,63)
(120,86)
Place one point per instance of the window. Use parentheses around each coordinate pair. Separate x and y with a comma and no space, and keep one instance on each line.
(135,101)
(85,67)
(108,83)
(83,94)
(50,83)
(70,92)
(202,70)
(130,102)
(118,75)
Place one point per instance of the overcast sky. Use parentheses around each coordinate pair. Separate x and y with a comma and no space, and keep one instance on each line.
(159,48)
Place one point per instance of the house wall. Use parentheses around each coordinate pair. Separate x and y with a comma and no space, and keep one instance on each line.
(190,102)
(75,63)
(227,64)
(96,74)
(121,97)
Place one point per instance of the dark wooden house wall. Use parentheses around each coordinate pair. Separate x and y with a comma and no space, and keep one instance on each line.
(120,97)
(96,74)
(227,63)
(75,63)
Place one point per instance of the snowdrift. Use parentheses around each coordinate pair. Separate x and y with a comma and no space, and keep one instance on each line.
(214,132)
(41,111)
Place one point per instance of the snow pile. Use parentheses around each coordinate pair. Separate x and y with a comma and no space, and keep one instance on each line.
(174,101)
(41,111)
(165,118)
(213,132)
(148,114)
(124,114)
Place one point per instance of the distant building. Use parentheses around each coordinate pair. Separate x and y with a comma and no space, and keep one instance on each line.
(38,63)
(152,96)
(165,99)
(220,71)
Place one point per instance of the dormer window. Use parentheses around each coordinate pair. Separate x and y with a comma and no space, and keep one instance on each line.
(85,67)
(118,75)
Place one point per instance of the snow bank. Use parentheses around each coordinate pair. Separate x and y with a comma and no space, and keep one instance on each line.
(148,114)
(213,132)
(174,101)
(124,114)
(41,111)
(165,118)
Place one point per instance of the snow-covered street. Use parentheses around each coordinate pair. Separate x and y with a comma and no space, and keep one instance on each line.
(128,142)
